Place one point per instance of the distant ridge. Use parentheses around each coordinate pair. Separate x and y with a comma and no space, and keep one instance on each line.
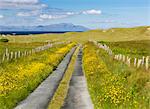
(62,27)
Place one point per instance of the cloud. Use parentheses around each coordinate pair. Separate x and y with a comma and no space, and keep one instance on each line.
(57,15)
(20,1)
(26,14)
(46,16)
(92,12)
(104,21)
(21,4)
(1,16)
(22,14)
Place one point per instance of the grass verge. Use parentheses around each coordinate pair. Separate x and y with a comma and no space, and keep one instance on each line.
(19,78)
(113,85)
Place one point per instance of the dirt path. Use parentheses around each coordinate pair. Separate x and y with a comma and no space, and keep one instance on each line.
(40,98)
(78,96)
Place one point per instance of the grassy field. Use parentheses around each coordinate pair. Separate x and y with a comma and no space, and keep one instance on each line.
(112,84)
(116,34)
(130,48)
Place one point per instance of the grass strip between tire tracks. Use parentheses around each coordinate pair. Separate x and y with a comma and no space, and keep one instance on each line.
(61,92)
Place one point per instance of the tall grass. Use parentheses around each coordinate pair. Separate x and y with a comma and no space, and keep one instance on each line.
(113,85)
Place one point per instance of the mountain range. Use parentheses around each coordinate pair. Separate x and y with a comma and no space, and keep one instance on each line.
(53,27)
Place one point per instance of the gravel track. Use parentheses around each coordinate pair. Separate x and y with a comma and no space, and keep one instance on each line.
(41,96)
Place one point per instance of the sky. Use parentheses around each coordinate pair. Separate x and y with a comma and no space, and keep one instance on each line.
(89,13)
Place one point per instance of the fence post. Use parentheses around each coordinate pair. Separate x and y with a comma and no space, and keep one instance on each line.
(146,64)
(15,55)
(143,60)
(139,63)
(19,54)
(135,62)
(128,61)
(3,59)
(11,55)
(8,57)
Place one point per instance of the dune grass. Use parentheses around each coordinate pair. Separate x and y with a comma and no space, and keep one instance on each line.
(61,92)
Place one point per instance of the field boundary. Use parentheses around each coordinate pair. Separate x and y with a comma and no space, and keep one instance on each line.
(137,62)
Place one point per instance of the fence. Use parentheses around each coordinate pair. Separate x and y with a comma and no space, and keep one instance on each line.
(136,62)
(9,55)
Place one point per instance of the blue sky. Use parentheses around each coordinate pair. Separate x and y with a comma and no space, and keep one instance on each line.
(90,13)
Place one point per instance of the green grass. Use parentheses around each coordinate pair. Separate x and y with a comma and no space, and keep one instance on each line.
(130,48)
(112,84)
(119,34)
(18,46)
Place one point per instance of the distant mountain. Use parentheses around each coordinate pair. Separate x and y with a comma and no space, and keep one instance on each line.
(53,27)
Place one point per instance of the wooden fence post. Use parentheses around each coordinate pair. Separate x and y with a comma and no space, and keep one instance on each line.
(139,63)
(128,61)
(8,56)
(135,62)
(11,55)
(19,54)
(143,61)
(15,55)
(3,59)
(147,62)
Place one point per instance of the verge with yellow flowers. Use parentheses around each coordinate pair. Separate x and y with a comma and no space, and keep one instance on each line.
(110,83)
(21,77)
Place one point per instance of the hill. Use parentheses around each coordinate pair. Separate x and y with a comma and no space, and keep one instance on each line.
(53,27)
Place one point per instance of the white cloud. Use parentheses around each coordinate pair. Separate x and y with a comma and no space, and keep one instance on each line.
(92,12)
(70,13)
(26,14)
(21,4)
(22,14)
(19,1)
(46,16)
(1,16)
(57,16)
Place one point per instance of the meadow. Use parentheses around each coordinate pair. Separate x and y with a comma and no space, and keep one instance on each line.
(112,84)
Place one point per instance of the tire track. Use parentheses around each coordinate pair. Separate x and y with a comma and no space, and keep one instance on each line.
(78,96)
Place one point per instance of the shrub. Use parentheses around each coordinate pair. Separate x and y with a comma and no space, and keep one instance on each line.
(4,40)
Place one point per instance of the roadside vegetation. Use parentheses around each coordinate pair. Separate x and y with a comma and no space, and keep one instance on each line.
(20,77)
(114,85)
